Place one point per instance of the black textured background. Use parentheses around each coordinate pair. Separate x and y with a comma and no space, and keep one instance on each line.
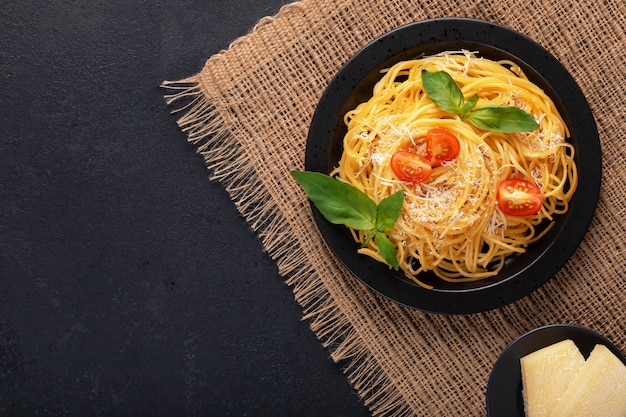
(129,283)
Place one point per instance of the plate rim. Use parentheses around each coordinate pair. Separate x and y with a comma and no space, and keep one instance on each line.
(457,301)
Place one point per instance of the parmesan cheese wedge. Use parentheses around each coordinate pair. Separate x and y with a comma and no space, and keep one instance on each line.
(546,374)
(598,390)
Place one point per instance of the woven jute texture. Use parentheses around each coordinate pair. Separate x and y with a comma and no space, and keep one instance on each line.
(248,111)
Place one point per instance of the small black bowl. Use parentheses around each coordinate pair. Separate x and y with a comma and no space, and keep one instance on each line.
(504,389)
(521,274)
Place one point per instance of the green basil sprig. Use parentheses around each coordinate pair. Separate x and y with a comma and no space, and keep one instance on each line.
(446,94)
(342,203)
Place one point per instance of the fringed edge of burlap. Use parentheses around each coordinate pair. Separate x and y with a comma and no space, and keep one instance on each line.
(206,128)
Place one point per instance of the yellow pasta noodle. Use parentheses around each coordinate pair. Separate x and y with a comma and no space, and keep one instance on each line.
(451,224)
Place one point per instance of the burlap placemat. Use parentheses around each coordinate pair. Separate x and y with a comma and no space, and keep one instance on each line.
(248,111)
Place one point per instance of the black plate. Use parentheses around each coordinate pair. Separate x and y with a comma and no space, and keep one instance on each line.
(504,390)
(522,274)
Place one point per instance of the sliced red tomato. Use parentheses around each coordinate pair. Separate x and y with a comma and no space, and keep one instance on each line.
(441,146)
(519,197)
(410,167)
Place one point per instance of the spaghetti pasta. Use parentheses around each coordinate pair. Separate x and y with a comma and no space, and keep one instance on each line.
(451,223)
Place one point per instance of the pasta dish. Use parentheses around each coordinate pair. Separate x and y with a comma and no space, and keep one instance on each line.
(472,196)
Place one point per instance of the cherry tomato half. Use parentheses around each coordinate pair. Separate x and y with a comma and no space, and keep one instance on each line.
(410,167)
(441,146)
(518,197)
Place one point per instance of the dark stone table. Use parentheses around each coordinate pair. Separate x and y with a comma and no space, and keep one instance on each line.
(129,283)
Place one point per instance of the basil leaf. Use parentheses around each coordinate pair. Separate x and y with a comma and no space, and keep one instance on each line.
(339,203)
(443,91)
(389,210)
(387,250)
(504,119)
(468,106)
